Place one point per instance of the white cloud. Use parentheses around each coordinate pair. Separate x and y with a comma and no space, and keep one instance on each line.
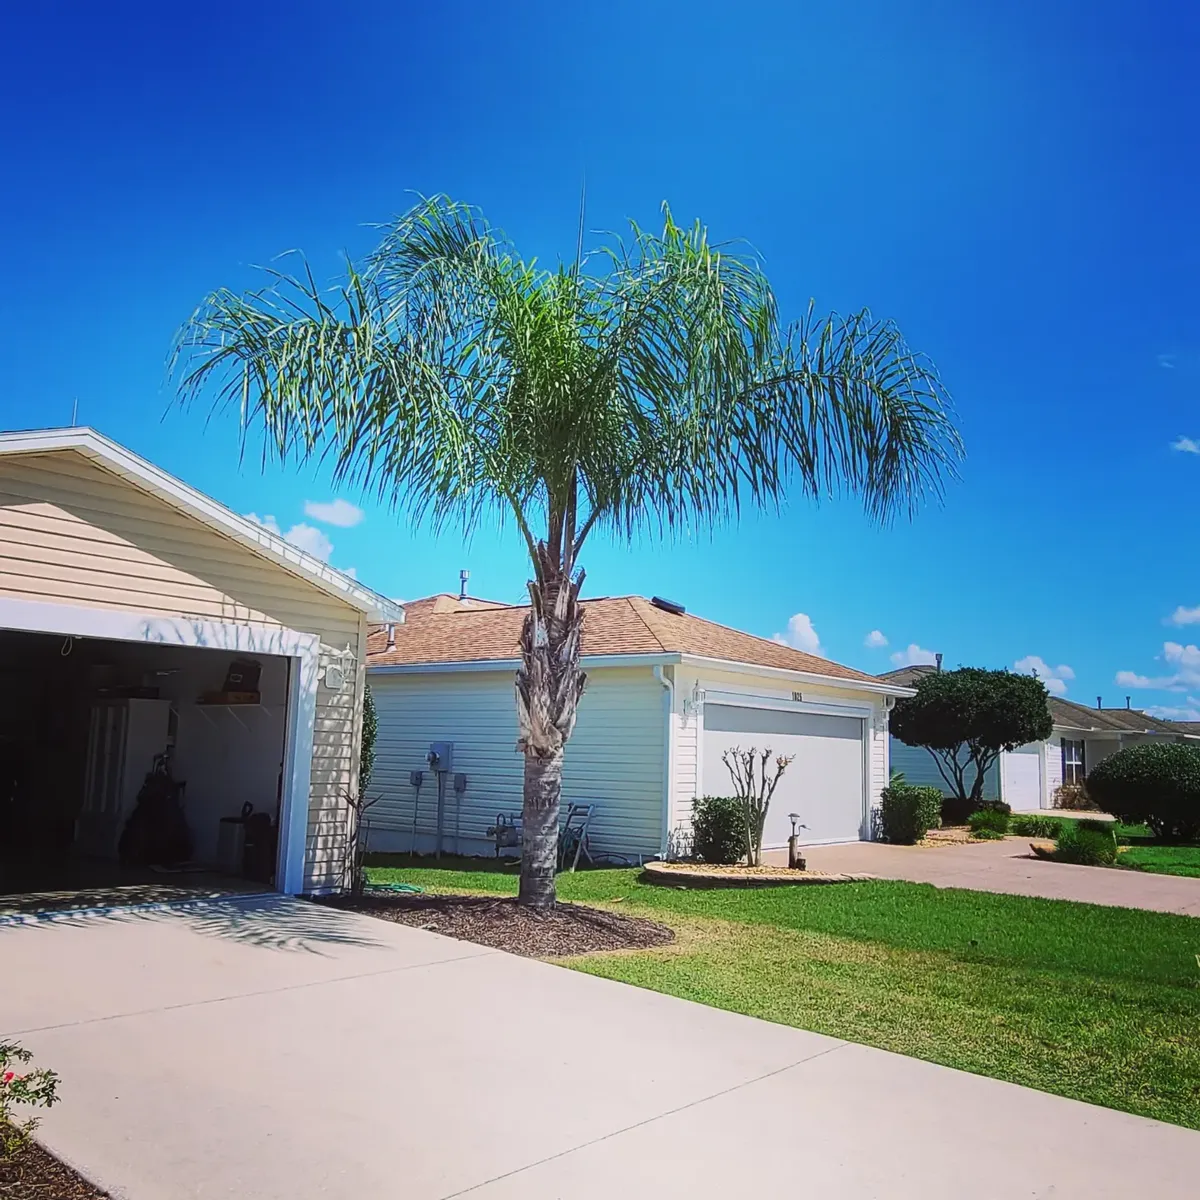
(914,656)
(1186,674)
(1167,360)
(800,635)
(267,522)
(1055,678)
(1189,711)
(1186,445)
(337,512)
(1185,616)
(304,537)
(1131,679)
(310,539)
(874,640)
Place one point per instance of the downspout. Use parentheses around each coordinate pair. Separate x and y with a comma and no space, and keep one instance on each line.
(660,673)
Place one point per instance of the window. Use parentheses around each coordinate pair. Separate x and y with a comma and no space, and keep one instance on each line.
(1073,766)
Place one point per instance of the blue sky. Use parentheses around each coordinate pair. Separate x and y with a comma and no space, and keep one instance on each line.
(1014,183)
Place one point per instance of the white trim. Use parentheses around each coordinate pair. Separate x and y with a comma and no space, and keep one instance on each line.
(179,495)
(829,708)
(833,681)
(304,649)
(591,662)
(668,754)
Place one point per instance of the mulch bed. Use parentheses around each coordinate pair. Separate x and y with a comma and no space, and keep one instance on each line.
(36,1174)
(503,924)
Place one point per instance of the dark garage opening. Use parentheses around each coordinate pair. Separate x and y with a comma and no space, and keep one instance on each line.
(92,731)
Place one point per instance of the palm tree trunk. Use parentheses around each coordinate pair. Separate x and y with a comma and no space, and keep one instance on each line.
(539,837)
(549,684)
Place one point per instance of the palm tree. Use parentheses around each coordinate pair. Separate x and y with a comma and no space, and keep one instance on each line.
(648,385)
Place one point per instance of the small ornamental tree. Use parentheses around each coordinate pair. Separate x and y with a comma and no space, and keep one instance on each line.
(965,718)
(754,786)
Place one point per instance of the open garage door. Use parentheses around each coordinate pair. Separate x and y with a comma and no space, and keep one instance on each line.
(824,783)
(93,731)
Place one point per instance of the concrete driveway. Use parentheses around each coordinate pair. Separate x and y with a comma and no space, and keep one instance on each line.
(270,1048)
(1006,866)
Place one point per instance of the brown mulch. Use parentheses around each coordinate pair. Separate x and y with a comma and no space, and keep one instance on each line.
(503,924)
(35,1174)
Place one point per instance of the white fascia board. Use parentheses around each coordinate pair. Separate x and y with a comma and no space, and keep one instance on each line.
(783,674)
(589,662)
(179,495)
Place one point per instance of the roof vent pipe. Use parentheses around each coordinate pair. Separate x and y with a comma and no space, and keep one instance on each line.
(937,658)
(1099,702)
(1126,701)
(391,636)
(463,576)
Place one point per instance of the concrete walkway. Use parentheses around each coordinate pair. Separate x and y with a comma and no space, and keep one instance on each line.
(271,1049)
(1007,866)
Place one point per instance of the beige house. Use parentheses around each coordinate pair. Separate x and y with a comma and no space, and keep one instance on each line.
(141,619)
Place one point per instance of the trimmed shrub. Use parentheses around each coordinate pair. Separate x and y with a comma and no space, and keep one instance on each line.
(989,823)
(1073,796)
(1086,843)
(1035,826)
(908,812)
(1155,784)
(718,829)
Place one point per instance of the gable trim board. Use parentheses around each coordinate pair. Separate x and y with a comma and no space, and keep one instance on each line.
(97,543)
(158,483)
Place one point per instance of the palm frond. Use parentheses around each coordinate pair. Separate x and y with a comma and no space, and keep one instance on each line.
(452,378)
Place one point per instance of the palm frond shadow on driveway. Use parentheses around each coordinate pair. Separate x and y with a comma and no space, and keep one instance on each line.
(269,922)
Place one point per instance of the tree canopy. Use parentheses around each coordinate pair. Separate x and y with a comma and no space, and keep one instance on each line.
(966,717)
(648,384)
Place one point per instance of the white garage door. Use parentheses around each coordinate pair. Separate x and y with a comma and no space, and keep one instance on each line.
(1021,778)
(824,783)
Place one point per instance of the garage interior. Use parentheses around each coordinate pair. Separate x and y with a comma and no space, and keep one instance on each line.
(143,767)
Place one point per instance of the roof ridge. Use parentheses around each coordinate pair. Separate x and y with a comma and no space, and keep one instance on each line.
(634,609)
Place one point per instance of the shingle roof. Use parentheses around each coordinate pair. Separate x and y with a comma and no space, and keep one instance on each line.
(906,676)
(443,629)
(1066,713)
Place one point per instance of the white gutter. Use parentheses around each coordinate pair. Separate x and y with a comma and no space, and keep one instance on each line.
(741,668)
(660,674)
(181,496)
(588,662)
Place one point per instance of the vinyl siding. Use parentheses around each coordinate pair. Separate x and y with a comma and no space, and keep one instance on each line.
(615,758)
(1053,780)
(920,769)
(74,533)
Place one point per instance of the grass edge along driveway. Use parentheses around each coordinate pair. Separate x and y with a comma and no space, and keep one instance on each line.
(1098,1004)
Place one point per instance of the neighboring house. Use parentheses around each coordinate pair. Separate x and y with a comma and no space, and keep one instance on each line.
(125,599)
(667,693)
(1028,777)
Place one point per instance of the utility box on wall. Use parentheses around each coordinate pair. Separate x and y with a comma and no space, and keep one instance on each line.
(441,756)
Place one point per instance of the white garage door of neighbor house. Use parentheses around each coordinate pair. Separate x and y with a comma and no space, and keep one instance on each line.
(824,783)
(1021,778)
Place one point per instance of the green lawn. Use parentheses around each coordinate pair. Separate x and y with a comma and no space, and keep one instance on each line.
(1164,859)
(1097,1003)
(1143,852)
